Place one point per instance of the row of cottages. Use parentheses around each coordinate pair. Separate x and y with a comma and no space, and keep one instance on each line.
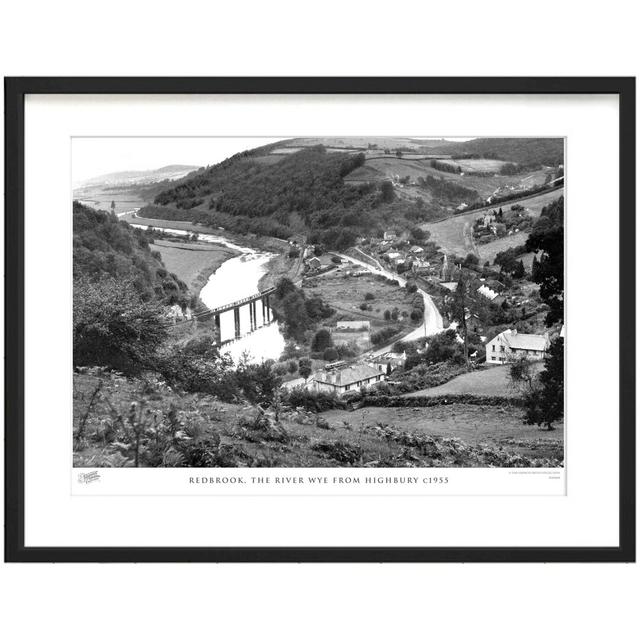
(511,345)
(348,378)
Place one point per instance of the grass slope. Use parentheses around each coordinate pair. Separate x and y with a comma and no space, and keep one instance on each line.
(197,430)
(452,234)
(193,263)
(489,381)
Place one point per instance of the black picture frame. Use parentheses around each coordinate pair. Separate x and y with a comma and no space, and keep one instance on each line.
(15,91)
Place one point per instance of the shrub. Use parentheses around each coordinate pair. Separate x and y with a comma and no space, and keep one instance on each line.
(113,326)
(304,367)
(322,340)
(379,337)
(369,296)
(330,354)
(311,400)
(339,450)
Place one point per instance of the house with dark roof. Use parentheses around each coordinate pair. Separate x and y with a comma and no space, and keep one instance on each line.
(511,345)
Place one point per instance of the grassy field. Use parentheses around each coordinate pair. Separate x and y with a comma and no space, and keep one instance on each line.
(488,381)
(495,426)
(381,168)
(195,430)
(450,233)
(193,262)
(487,252)
(96,197)
(346,293)
(480,164)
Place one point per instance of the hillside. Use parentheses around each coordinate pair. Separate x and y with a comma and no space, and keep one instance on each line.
(121,178)
(105,247)
(527,152)
(304,191)
(198,430)
(348,187)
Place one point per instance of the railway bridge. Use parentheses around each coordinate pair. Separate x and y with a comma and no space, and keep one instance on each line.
(235,320)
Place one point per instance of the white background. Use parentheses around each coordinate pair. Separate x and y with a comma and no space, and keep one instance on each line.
(586,516)
(470,38)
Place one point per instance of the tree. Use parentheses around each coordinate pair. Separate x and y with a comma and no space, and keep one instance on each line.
(550,270)
(258,382)
(419,235)
(444,347)
(322,340)
(113,326)
(459,302)
(519,270)
(113,206)
(330,354)
(544,401)
(369,296)
(534,268)
(304,367)
(471,260)
(387,192)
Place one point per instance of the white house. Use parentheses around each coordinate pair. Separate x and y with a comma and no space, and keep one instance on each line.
(487,292)
(348,378)
(511,345)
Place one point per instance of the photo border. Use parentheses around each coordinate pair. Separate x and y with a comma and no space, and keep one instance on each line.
(15,91)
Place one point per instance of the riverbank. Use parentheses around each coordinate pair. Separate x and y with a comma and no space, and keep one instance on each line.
(279,265)
(261,243)
(193,262)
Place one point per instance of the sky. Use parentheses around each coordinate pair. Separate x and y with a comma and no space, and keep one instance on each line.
(93,157)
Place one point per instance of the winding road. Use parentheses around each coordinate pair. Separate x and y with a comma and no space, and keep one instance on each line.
(432,322)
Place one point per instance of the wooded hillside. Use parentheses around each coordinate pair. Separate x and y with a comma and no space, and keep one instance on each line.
(105,247)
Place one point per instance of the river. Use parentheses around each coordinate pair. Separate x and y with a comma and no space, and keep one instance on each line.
(233,280)
(238,278)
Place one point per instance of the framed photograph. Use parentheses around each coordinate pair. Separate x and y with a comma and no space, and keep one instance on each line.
(320,319)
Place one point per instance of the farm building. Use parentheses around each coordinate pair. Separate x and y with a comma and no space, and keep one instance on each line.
(511,345)
(353,325)
(349,378)
(388,235)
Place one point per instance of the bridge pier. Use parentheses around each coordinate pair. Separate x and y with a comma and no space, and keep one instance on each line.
(238,319)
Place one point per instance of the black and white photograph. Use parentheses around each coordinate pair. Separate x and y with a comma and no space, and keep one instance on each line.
(309,302)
